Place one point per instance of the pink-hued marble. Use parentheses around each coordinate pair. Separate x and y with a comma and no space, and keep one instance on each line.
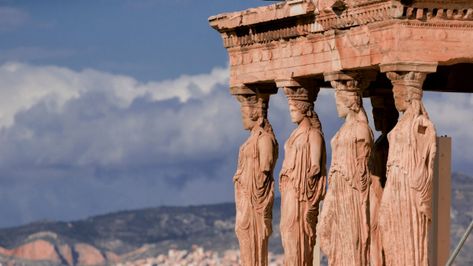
(309,41)
(302,38)
(344,223)
(405,212)
(302,178)
(254,182)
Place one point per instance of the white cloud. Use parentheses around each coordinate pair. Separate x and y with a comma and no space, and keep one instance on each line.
(24,85)
(93,142)
(98,133)
(452,116)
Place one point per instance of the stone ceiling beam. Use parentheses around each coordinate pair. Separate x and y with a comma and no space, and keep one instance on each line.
(270,42)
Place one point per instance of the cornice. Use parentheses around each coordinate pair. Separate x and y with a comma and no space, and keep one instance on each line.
(312,19)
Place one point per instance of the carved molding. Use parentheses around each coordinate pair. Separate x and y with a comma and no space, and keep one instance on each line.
(435,13)
(351,80)
(252,89)
(412,78)
(230,39)
(427,67)
(357,16)
(287,83)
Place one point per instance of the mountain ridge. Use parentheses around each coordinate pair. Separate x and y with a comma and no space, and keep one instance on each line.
(137,234)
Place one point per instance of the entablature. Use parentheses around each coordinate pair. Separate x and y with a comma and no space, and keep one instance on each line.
(307,39)
(300,18)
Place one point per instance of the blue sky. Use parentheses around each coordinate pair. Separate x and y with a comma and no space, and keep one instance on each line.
(108,105)
(147,39)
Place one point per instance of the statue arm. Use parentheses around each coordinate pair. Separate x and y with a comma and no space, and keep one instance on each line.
(429,143)
(316,150)
(364,141)
(266,151)
(425,139)
(238,172)
(266,155)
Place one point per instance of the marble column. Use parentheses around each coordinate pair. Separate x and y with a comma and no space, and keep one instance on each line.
(405,212)
(303,175)
(344,226)
(253,180)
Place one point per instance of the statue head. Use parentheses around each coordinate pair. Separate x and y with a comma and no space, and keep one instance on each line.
(407,89)
(347,97)
(301,103)
(253,109)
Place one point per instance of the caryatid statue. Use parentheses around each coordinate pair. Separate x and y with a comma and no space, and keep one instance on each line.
(303,177)
(405,212)
(254,182)
(344,223)
(385,118)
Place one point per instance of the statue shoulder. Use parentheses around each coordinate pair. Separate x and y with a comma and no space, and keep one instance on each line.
(266,138)
(363,132)
(315,133)
(424,126)
(424,120)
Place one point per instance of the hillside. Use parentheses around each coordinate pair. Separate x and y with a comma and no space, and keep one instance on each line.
(138,234)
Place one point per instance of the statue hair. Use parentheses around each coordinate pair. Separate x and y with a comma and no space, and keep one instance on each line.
(414,95)
(260,115)
(307,108)
(353,102)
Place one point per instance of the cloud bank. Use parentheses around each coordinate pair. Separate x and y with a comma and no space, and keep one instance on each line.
(78,143)
(82,143)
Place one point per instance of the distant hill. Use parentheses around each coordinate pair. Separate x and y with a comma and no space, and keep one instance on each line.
(137,234)
(127,230)
(130,235)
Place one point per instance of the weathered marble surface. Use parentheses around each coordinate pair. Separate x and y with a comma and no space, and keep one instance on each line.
(254,182)
(344,226)
(302,179)
(405,212)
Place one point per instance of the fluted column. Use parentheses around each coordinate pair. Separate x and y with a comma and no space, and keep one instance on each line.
(405,213)
(303,175)
(253,180)
(344,225)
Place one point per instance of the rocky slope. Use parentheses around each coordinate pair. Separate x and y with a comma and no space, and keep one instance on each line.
(149,234)
(127,235)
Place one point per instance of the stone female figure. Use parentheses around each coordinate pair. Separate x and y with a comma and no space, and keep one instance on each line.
(254,182)
(405,210)
(344,226)
(302,179)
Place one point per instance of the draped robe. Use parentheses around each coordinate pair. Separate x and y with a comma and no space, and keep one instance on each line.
(405,212)
(254,196)
(301,192)
(344,226)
